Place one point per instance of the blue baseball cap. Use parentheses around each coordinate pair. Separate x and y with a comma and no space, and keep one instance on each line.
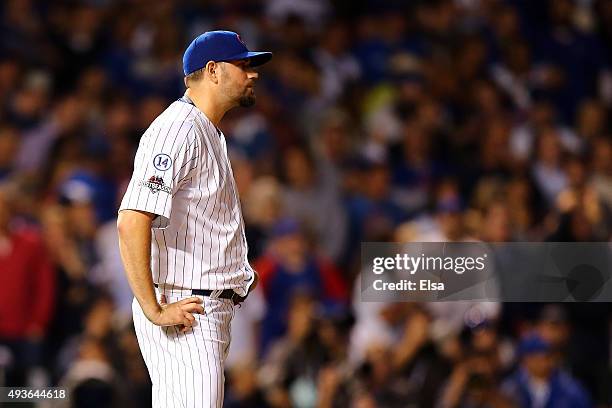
(533,344)
(219,46)
(284,227)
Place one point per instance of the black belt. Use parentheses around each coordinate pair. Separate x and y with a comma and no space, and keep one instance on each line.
(220,294)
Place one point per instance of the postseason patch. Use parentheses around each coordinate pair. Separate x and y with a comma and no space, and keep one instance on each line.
(155,184)
(162,162)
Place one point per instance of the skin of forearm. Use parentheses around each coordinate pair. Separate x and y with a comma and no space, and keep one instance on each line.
(405,353)
(452,395)
(134,228)
(414,338)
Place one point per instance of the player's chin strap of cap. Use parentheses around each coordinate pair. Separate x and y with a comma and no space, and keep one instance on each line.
(217,294)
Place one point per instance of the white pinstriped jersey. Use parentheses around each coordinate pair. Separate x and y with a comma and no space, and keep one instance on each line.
(183,175)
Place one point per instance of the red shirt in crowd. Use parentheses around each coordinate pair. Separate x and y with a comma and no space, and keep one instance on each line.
(27,286)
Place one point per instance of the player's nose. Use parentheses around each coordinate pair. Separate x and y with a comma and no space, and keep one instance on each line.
(253,75)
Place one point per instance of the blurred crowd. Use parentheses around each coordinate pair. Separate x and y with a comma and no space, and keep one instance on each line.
(424,120)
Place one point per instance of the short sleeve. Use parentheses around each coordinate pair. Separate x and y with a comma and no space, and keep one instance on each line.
(165,159)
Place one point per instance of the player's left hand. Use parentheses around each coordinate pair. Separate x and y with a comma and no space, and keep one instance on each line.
(182,312)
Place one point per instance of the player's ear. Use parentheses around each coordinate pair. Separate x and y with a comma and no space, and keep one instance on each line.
(211,71)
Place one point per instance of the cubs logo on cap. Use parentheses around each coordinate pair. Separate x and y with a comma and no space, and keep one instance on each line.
(240,39)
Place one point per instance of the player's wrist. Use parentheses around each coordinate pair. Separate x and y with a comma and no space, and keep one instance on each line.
(153,312)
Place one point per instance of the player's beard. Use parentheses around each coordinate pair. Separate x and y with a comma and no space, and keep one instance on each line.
(247,99)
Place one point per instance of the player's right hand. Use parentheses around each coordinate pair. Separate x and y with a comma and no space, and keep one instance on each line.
(179,313)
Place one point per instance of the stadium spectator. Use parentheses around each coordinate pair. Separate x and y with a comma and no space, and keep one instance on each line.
(27,292)
(539,382)
(291,267)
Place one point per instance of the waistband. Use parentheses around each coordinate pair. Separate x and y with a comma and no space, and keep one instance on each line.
(213,294)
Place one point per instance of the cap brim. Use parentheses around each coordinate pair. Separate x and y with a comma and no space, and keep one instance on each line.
(257,58)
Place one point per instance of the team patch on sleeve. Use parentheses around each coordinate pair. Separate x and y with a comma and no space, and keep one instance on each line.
(155,184)
(162,162)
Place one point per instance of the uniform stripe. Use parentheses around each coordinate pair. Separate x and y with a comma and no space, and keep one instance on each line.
(208,355)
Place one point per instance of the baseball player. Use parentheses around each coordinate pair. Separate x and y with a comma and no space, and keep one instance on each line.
(181,232)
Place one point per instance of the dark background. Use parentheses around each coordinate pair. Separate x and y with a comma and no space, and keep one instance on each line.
(375,121)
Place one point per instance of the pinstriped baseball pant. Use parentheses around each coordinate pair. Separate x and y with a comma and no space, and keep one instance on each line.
(186,369)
